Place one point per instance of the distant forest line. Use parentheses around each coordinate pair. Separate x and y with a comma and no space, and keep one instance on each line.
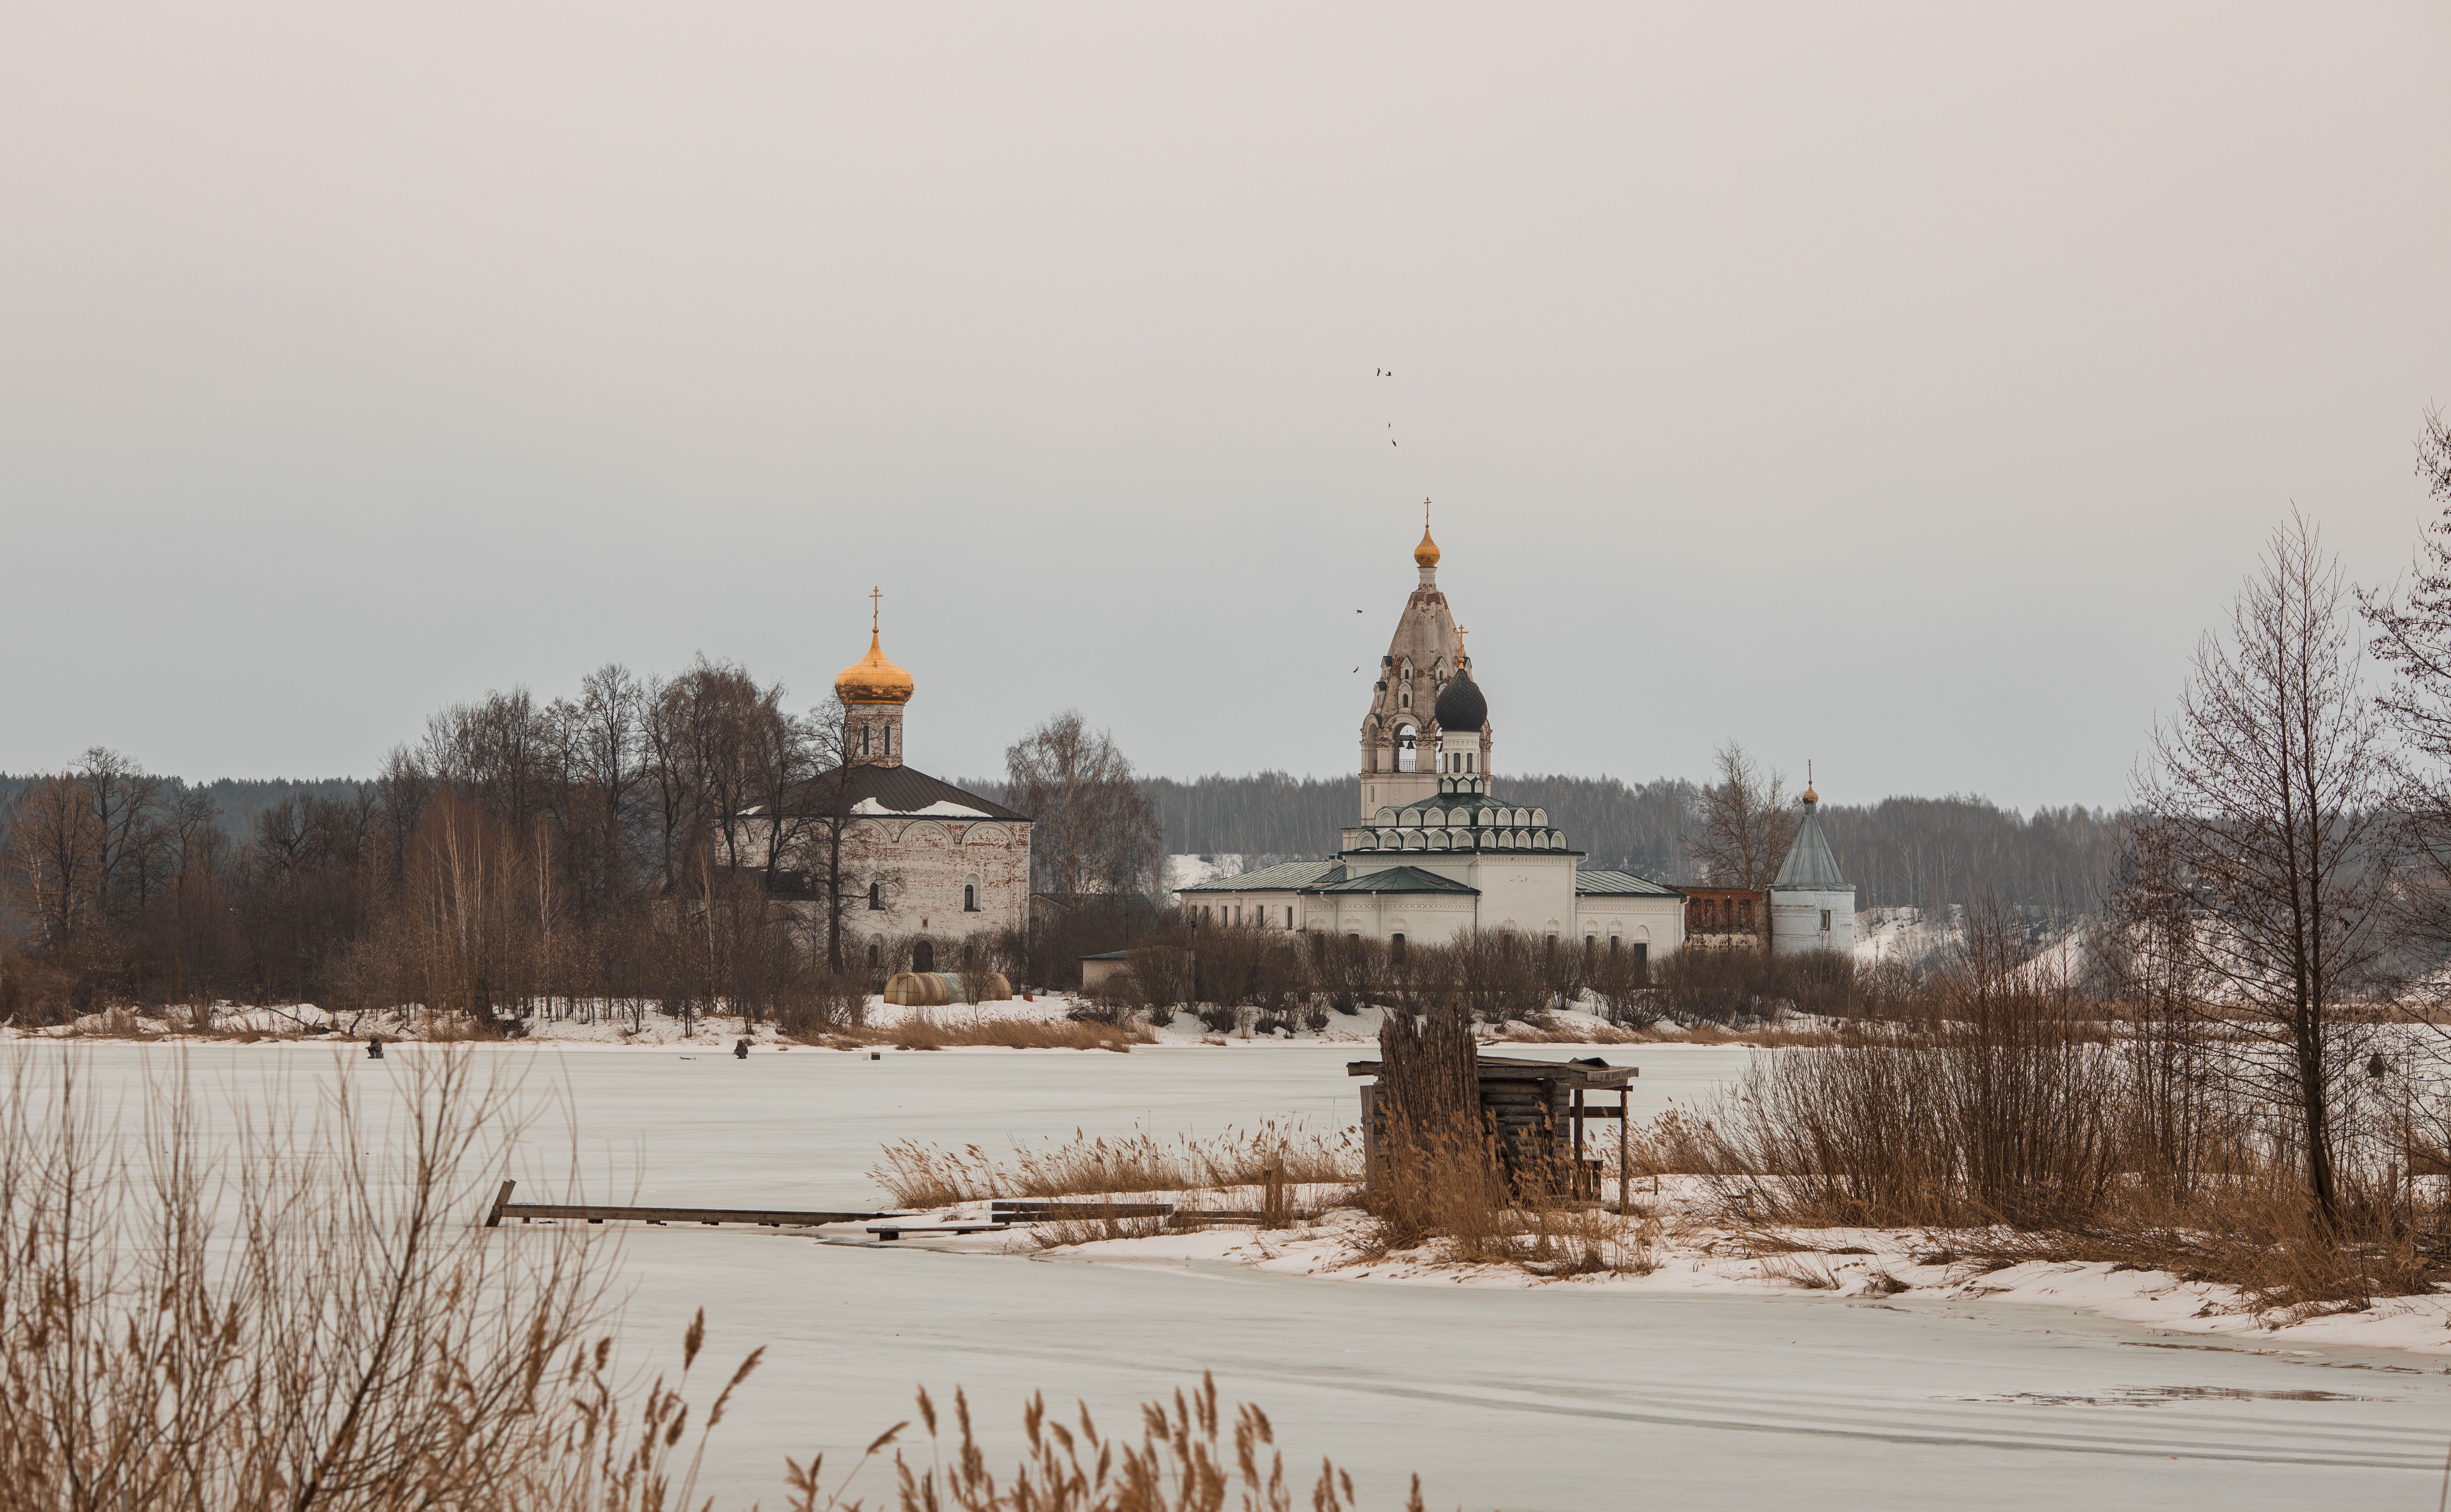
(1920,852)
(1925,853)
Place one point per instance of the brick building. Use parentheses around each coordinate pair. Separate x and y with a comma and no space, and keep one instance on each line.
(928,865)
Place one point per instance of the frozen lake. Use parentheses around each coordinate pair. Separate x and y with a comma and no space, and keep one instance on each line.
(1555,1397)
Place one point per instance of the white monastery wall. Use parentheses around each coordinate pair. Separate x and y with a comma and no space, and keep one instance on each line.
(1795,921)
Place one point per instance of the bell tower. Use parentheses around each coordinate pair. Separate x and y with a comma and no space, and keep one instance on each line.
(1400,745)
(874,692)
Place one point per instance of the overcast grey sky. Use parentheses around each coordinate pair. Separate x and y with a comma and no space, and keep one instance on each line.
(1900,388)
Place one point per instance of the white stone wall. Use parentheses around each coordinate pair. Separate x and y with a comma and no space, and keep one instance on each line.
(1656,922)
(1796,917)
(923,866)
(1267,910)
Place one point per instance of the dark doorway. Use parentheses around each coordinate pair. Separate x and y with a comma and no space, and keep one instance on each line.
(923,956)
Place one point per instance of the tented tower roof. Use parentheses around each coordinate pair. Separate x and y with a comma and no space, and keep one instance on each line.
(1810,867)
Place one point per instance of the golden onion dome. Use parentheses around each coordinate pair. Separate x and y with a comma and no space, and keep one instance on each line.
(1426,554)
(874,679)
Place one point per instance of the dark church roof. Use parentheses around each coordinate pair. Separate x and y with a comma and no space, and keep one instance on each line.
(888,792)
(1460,705)
(1399,880)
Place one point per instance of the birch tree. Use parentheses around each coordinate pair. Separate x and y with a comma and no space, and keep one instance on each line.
(2267,786)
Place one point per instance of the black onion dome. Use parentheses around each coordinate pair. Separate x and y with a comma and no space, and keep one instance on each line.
(1460,705)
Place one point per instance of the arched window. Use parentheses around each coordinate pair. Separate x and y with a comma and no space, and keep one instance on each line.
(863,739)
(889,739)
(923,956)
(970,897)
(876,894)
(875,955)
(1408,750)
(1396,947)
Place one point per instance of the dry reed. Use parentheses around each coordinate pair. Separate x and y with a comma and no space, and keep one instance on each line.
(1008,1030)
(1182,1463)
(309,1319)
(921,1175)
(2017,1135)
(1447,1187)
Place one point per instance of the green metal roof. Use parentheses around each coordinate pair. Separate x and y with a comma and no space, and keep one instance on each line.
(1399,880)
(1621,884)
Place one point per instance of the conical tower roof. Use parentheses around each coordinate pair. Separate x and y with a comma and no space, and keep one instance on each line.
(1810,867)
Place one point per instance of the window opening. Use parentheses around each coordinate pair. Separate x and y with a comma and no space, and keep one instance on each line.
(1396,947)
(876,894)
(923,956)
(970,897)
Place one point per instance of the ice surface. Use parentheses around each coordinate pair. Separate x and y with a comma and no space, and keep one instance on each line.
(1563,1396)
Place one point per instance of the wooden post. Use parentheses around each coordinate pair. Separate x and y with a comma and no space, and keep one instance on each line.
(1369,1137)
(1575,1175)
(1624,1157)
(493,1218)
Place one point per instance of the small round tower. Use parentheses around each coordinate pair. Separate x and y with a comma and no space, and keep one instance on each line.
(1811,903)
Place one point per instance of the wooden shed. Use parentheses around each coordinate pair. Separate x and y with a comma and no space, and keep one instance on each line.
(1535,1109)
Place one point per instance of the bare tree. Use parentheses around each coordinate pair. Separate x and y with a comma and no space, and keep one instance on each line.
(55,861)
(1091,830)
(2412,637)
(2267,787)
(1746,823)
(836,846)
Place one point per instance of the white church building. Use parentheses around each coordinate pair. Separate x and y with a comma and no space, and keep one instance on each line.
(1438,850)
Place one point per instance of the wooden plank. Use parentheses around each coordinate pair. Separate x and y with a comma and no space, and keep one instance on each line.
(767,1217)
(494,1215)
(1014,1212)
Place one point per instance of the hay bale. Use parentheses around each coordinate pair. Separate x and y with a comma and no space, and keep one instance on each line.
(918,990)
(940,989)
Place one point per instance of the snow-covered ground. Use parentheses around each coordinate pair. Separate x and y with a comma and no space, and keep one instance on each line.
(1714,1388)
(1869,1265)
(654,1031)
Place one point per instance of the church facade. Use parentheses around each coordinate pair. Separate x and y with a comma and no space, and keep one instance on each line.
(1437,850)
(928,867)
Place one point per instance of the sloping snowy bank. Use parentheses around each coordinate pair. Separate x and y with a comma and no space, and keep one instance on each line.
(1853,1265)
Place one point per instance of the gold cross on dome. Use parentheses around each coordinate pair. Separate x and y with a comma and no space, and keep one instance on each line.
(874,606)
(1460,632)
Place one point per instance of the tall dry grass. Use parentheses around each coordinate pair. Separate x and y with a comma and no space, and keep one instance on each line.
(304,1318)
(923,1175)
(1007,1031)
(1447,1186)
(308,1317)
(1185,1461)
(2016,1129)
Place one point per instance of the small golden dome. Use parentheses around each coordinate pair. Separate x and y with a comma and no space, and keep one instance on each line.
(1426,554)
(874,679)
